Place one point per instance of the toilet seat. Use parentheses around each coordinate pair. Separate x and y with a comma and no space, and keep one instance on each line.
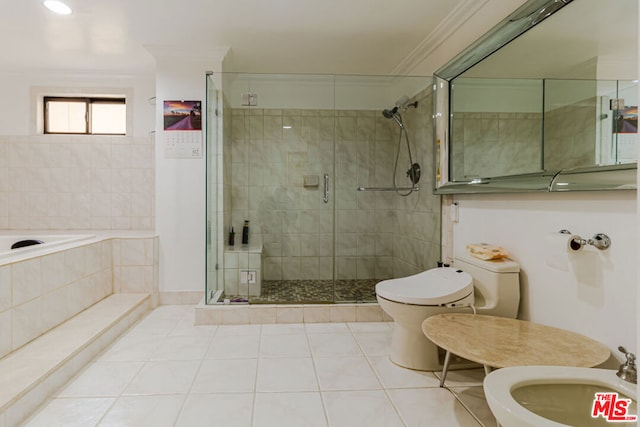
(437,287)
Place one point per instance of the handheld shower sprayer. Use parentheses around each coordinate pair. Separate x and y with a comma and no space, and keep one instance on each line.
(413,173)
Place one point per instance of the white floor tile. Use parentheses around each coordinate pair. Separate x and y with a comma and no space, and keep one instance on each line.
(181,348)
(374,343)
(144,411)
(217,410)
(464,377)
(360,409)
(288,410)
(186,328)
(71,412)
(394,376)
(346,373)
(283,329)
(284,346)
(164,377)
(370,326)
(238,330)
(226,376)
(474,399)
(431,407)
(167,369)
(229,346)
(102,379)
(330,345)
(286,374)
(326,328)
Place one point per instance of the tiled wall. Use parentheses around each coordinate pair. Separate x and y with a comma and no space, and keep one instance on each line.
(496,144)
(570,135)
(56,182)
(378,234)
(417,225)
(236,260)
(272,151)
(500,144)
(135,266)
(38,294)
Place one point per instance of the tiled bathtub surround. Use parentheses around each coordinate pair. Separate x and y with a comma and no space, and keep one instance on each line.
(39,293)
(59,182)
(135,266)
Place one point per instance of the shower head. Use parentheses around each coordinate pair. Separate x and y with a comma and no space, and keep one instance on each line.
(390,113)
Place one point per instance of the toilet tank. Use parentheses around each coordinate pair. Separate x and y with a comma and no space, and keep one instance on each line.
(496,284)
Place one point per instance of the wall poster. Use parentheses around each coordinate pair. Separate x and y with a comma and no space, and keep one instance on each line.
(182,129)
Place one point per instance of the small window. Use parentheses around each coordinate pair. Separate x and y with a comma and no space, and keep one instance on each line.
(88,116)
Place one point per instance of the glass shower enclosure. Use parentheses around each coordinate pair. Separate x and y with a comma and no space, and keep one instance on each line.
(286,158)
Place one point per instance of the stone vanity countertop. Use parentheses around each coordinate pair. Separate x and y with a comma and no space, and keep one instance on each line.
(500,342)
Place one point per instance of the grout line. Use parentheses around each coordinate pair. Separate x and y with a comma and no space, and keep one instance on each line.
(315,370)
(382,386)
(465,406)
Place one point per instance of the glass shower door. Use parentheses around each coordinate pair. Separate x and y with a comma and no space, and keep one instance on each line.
(213,262)
(284,165)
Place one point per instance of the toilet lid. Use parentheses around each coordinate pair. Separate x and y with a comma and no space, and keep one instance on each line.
(432,287)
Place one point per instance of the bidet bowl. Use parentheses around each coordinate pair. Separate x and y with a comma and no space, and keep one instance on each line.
(541,396)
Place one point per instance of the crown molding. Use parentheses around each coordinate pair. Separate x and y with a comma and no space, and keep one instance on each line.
(449,25)
(187,54)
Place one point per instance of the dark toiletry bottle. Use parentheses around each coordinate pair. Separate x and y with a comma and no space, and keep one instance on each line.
(232,237)
(245,233)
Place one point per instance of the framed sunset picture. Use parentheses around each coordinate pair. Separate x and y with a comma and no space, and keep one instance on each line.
(182,115)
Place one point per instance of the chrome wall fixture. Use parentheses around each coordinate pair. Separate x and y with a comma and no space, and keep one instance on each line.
(599,241)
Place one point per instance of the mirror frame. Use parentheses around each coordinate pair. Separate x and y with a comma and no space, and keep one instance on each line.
(614,177)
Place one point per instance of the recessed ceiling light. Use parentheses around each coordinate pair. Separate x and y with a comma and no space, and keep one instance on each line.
(57,7)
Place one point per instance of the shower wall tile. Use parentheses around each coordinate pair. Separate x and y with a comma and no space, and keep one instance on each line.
(271,152)
(570,136)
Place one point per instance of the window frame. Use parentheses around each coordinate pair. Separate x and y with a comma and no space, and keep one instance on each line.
(88,101)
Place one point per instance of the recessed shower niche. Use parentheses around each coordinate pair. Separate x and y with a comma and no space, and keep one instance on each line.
(293,165)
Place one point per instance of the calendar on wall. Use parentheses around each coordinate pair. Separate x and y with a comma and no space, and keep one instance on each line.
(182,129)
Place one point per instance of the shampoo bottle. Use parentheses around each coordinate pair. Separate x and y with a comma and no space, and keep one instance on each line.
(232,237)
(245,233)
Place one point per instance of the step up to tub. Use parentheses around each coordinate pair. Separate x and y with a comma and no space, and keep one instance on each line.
(31,373)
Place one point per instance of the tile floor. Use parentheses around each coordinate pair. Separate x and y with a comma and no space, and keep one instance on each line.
(166,372)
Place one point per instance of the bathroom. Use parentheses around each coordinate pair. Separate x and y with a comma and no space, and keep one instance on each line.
(105,186)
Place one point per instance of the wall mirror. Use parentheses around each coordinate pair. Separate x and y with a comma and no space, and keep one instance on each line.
(545,101)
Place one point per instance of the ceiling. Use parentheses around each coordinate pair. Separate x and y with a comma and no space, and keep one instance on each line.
(586,39)
(294,36)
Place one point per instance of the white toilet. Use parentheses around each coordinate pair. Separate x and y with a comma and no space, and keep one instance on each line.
(492,287)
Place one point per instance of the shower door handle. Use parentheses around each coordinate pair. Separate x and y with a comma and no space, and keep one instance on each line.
(326,188)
